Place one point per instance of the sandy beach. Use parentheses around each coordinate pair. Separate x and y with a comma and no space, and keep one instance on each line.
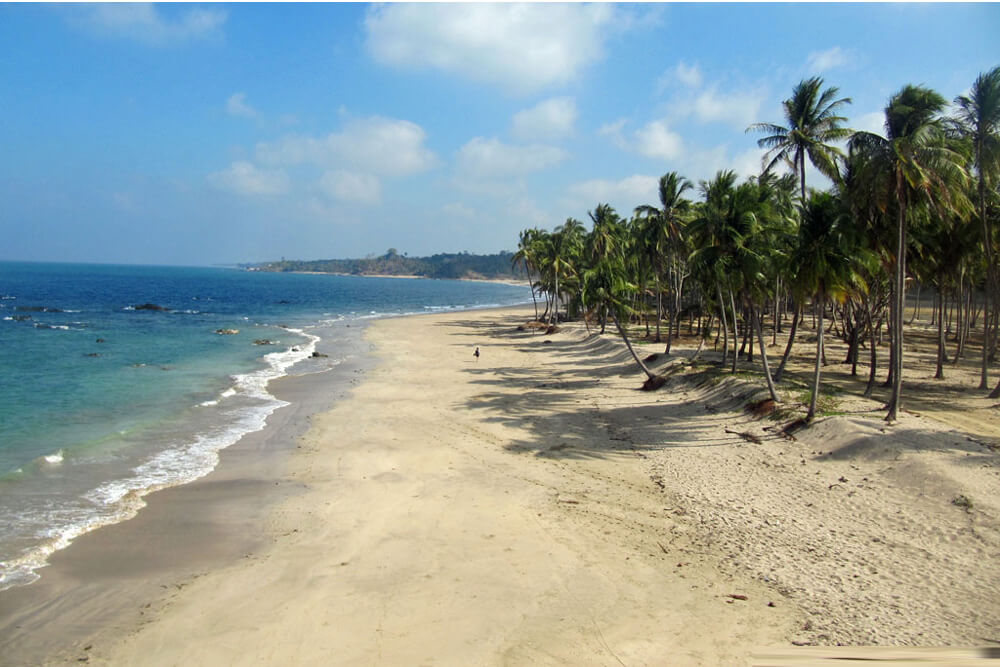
(534,507)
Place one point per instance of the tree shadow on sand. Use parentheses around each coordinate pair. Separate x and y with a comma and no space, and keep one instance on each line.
(549,397)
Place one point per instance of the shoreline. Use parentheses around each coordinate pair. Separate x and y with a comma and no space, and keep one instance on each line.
(533,507)
(87,588)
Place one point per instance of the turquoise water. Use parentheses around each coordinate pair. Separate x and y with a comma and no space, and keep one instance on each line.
(103,400)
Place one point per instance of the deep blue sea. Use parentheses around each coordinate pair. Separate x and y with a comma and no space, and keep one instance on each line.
(103,400)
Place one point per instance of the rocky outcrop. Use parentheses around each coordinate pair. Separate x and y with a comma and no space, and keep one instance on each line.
(37,309)
(227,332)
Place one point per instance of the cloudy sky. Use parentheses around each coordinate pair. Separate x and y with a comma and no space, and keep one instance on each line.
(202,134)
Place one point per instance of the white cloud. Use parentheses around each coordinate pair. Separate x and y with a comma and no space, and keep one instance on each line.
(236,105)
(246,179)
(550,119)
(745,164)
(459,211)
(354,187)
(614,131)
(822,61)
(490,158)
(145,23)
(738,109)
(376,145)
(873,122)
(624,194)
(525,213)
(655,140)
(688,75)
(521,47)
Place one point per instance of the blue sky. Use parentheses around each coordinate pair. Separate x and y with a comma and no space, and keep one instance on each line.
(201,134)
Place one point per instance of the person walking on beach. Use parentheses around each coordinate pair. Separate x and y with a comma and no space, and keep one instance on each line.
(476,353)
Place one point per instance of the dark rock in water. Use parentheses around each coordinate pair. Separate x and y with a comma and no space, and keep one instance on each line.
(263,341)
(100,340)
(92,354)
(295,349)
(317,355)
(37,309)
(22,318)
(148,306)
(227,332)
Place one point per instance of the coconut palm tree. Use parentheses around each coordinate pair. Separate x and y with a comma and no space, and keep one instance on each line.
(824,257)
(708,232)
(604,284)
(812,124)
(914,164)
(732,229)
(527,249)
(559,257)
(978,118)
(664,237)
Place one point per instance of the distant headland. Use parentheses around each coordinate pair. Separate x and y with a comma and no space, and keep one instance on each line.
(461,265)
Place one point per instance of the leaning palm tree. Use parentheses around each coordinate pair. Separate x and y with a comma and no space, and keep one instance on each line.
(914,164)
(979,121)
(812,124)
(604,286)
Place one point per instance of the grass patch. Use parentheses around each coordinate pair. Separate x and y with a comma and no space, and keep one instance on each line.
(826,403)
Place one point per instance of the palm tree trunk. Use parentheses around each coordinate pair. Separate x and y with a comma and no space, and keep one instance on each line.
(791,341)
(777,297)
(555,302)
(659,307)
(670,328)
(725,325)
(895,399)
(939,373)
(736,331)
(819,359)
(650,374)
(531,285)
(763,354)
(873,368)
(916,310)
(991,288)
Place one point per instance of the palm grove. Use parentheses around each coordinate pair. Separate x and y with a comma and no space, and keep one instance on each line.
(919,204)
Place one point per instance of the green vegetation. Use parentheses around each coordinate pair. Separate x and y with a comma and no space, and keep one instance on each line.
(919,204)
(454,265)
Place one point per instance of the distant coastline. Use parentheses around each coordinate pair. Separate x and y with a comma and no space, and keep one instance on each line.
(497,267)
(502,281)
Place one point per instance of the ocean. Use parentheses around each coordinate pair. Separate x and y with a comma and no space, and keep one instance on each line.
(120,380)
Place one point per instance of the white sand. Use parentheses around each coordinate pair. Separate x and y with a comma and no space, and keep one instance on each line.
(532,507)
